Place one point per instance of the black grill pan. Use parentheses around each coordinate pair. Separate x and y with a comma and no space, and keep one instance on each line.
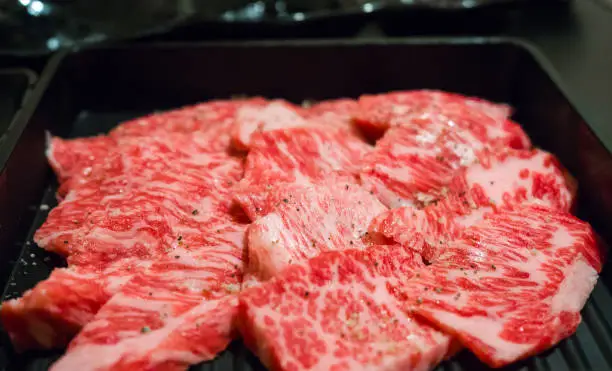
(88,92)
(16,85)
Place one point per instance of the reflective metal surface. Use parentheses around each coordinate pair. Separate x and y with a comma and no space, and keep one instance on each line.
(42,26)
(302,10)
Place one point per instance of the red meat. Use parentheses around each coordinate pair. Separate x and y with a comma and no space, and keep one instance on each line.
(377,113)
(499,182)
(337,114)
(178,311)
(513,285)
(77,156)
(273,116)
(215,118)
(336,312)
(296,157)
(412,161)
(307,222)
(131,210)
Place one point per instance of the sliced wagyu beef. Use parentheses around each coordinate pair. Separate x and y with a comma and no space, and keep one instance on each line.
(298,156)
(307,222)
(336,312)
(377,113)
(450,232)
(73,157)
(195,335)
(272,116)
(146,324)
(428,231)
(335,114)
(215,118)
(410,162)
(500,181)
(413,160)
(133,208)
(53,312)
(278,114)
(84,161)
(261,201)
(147,183)
(302,154)
(512,177)
(513,285)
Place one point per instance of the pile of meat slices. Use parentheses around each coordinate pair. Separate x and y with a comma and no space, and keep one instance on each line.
(286,226)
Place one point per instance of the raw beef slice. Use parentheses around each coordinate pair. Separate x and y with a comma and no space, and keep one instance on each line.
(513,285)
(335,312)
(501,181)
(114,222)
(252,119)
(308,222)
(300,156)
(210,120)
(148,184)
(146,325)
(377,113)
(257,202)
(214,117)
(410,162)
(331,115)
(336,114)
(49,315)
(76,156)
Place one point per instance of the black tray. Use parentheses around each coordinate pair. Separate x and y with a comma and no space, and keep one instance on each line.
(16,86)
(89,92)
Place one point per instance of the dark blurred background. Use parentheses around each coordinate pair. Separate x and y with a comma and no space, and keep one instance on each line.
(575,36)
(42,26)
